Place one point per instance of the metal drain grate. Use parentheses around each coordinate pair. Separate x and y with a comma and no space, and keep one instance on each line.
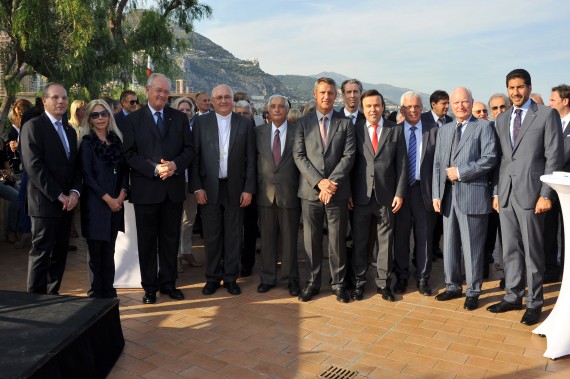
(335,372)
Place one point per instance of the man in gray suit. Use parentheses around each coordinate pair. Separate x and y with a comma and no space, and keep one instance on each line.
(465,154)
(379,185)
(223,181)
(531,144)
(279,207)
(324,153)
(417,211)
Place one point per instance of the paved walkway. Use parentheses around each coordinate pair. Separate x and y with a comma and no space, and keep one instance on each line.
(273,335)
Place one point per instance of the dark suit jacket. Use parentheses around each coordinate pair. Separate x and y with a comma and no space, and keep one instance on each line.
(429,137)
(121,120)
(50,172)
(316,162)
(241,159)
(538,151)
(278,184)
(427,117)
(566,137)
(475,157)
(100,178)
(359,117)
(144,148)
(386,170)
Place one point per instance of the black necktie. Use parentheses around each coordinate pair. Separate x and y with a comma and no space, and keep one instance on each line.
(456,139)
(159,123)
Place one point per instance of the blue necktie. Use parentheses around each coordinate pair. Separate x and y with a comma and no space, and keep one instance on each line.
(62,137)
(159,123)
(412,157)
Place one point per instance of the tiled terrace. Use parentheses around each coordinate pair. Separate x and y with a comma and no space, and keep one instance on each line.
(273,335)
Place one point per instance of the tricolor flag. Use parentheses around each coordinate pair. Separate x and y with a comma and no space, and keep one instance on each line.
(149,67)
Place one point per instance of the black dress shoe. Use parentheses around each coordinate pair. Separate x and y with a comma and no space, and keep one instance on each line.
(149,298)
(471,303)
(504,306)
(424,288)
(173,293)
(245,272)
(294,290)
(262,288)
(448,295)
(341,295)
(308,293)
(210,288)
(357,293)
(386,293)
(401,286)
(531,316)
(233,288)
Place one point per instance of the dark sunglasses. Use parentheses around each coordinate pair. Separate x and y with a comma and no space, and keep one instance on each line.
(133,102)
(95,115)
(498,106)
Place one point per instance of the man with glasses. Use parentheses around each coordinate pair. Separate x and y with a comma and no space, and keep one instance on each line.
(49,152)
(498,103)
(129,104)
(223,181)
(480,110)
(158,149)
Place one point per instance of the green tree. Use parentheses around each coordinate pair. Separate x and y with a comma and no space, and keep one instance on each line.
(88,44)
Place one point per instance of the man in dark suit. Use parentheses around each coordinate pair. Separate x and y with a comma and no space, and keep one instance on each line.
(324,153)
(559,100)
(465,153)
(203,103)
(49,152)
(277,201)
(439,102)
(379,184)
(417,211)
(129,104)
(223,181)
(158,149)
(532,145)
(351,89)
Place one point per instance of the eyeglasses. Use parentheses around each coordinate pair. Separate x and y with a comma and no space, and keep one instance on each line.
(161,91)
(94,115)
(220,98)
(480,111)
(133,102)
(58,98)
(498,106)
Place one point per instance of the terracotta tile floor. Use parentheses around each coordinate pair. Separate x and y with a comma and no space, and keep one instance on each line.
(273,335)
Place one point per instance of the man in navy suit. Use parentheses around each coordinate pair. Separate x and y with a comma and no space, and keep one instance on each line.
(465,153)
(49,152)
(158,149)
(129,104)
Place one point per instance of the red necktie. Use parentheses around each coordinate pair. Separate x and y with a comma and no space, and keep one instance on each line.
(375,138)
(276,148)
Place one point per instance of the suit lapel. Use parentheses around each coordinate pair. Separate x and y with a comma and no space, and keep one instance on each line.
(385,132)
(469,131)
(362,130)
(425,136)
(288,144)
(234,126)
(528,119)
(333,126)
(152,123)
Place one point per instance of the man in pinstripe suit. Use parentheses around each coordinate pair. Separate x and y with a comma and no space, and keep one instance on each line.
(465,154)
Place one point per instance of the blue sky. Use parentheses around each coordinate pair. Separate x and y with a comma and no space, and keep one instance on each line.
(422,45)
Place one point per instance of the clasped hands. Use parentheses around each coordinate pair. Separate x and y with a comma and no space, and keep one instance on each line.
(165,169)
(69,201)
(328,189)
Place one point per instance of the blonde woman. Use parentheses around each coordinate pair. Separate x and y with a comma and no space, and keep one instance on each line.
(76,114)
(105,181)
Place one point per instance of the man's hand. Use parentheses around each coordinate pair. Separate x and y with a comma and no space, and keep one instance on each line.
(244,199)
(350,203)
(437,205)
(542,205)
(397,204)
(13,146)
(325,197)
(165,169)
(68,202)
(496,203)
(201,197)
(452,173)
(328,186)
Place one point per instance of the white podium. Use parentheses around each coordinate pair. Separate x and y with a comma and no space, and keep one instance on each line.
(556,327)
(127,269)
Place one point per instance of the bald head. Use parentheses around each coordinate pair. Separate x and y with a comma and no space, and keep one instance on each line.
(461,103)
(480,110)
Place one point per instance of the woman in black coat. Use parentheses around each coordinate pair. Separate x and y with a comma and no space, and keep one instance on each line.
(105,183)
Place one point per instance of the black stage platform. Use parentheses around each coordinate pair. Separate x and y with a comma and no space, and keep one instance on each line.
(58,336)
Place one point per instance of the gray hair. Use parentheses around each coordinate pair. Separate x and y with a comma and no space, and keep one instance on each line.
(276,96)
(242,104)
(412,94)
(494,96)
(155,75)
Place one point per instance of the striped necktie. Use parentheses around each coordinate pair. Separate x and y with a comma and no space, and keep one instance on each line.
(412,157)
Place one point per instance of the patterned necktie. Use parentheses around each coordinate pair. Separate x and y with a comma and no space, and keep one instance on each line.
(517,125)
(412,157)
(456,139)
(375,138)
(323,128)
(276,148)
(441,121)
(61,134)
(159,123)
(352,118)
